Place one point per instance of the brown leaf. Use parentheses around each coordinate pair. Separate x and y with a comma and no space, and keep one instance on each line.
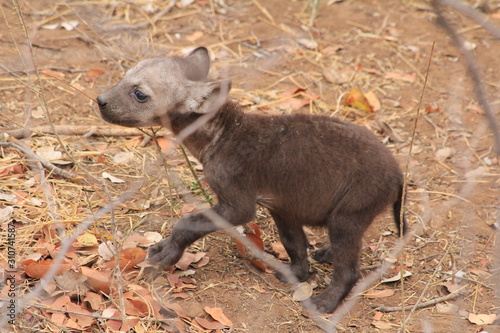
(94,300)
(52,73)
(209,324)
(280,250)
(93,74)
(373,100)
(129,258)
(98,280)
(379,293)
(403,77)
(38,269)
(482,319)
(218,315)
(381,325)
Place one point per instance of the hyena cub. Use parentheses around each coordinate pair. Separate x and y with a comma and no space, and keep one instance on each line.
(306,170)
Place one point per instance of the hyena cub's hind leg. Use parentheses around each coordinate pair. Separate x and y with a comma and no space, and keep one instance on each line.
(345,233)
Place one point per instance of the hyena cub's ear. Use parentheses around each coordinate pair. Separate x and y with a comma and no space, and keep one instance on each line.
(209,97)
(196,64)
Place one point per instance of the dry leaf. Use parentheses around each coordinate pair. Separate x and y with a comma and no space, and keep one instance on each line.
(71,281)
(98,280)
(85,240)
(482,319)
(302,291)
(123,157)
(397,277)
(218,315)
(280,250)
(52,73)
(209,324)
(93,74)
(403,77)
(37,270)
(195,36)
(357,99)
(379,293)
(383,325)
(308,43)
(373,100)
(164,143)
(129,258)
(111,178)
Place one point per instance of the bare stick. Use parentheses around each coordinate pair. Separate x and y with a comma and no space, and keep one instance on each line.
(34,157)
(422,305)
(77,130)
(473,70)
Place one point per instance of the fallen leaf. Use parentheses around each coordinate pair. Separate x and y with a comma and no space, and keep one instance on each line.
(111,178)
(218,315)
(37,269)
(373,100)
(188,208)
(71,280)
(357,99)
(85,240)
(280,250)
(98,280)
(52,73)
(94,300)
(302,291)
(379,293)
(482,319)
(209,324)
(123,157)
(70,25)
(403,77)
(105,250)
(195,36)
(397,277)
(128,258)
(93,74)
(164,143)
(383,325)
(48,153)
(308,43)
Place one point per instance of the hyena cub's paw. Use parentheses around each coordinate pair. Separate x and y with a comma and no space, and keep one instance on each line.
(300,272)
(164,254)
(323,254)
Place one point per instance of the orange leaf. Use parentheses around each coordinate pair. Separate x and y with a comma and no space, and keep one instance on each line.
(218,315)
(38,269)
(280,250)
(379,293)
(98,280)
(93,74)
(52,73)
(129,258)
(164,143)
(259,264)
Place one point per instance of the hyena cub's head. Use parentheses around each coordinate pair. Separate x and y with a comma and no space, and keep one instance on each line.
(153,91)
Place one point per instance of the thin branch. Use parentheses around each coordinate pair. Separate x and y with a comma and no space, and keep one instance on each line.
(422,305)
(30,155)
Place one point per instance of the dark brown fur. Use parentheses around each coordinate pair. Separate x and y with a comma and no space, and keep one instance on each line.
(306,170)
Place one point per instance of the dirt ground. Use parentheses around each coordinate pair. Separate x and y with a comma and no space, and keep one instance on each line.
(282,57)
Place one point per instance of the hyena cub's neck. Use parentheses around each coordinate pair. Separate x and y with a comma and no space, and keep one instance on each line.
(229,115)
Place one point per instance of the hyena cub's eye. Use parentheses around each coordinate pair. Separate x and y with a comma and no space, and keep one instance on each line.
(140,96)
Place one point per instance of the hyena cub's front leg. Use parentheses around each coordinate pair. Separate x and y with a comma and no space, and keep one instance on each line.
(191,228)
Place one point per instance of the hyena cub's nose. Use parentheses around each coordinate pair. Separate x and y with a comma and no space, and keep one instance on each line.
(101,102)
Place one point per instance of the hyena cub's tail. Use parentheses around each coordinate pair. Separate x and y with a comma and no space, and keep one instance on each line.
(396,207)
